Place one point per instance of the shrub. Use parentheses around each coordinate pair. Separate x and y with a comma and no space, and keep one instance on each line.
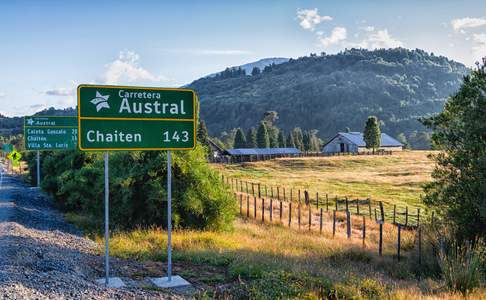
(138,190)
(371,289)
(461,266)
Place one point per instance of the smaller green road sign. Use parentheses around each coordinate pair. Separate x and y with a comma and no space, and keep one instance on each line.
(136,118)
(50,133)
(7,148)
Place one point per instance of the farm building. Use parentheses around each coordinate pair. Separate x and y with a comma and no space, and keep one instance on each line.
(253,154)
(353,142)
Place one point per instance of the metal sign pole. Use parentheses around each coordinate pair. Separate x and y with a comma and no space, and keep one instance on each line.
(107,233)
(38,169)
(169,215)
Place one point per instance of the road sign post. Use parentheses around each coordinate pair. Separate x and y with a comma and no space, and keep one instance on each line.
(38,168)
(125,118)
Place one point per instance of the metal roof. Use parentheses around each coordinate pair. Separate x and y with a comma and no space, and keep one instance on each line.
(262,151)
(357,139)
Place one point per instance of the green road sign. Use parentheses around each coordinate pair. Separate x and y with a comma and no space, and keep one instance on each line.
(7,148)
(50,133)
(136,118)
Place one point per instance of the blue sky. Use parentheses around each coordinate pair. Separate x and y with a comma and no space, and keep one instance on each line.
(49,47)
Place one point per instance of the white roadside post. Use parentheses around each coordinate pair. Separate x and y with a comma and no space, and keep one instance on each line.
(38,169)
(107,227)
(169,216)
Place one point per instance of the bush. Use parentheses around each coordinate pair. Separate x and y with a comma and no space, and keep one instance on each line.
(371,289)
(461,266)
(138,188)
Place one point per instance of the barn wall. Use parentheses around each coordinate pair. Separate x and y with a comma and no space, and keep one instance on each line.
(335,145)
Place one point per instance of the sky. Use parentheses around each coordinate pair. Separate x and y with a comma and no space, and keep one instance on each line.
(49,47)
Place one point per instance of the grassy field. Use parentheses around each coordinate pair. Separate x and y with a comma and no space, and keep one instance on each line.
(394,179)
(269,262)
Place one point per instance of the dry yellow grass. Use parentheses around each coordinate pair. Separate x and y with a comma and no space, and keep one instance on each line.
(395,179)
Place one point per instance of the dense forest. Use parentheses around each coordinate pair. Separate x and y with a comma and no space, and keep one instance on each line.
(331,93)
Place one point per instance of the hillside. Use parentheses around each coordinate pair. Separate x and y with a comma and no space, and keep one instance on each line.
(332,92)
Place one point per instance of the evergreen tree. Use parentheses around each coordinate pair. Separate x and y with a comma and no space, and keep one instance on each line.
(306,141)
(240,139)
(202,136)
(290,141)
(298,138)
(281,139)
(255,71)
(372,133)
(263,141)
(458,191)
(251,138)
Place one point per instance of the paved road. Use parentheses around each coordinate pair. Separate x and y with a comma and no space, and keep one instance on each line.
(43,257)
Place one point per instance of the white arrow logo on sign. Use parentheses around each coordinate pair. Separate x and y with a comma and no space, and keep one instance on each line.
(101,101)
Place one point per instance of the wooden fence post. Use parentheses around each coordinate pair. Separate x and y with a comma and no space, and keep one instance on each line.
(263,210)
(364,230)
(246,183)
(266,195)
(247,206)
(278,193)
(337,208)
(418,217)
(369,206)
(298,214)
(259,194)
(419,245)
(317,200)
(271,210)
(254,207)
(398,241)
(348,224)
(327,202)
(290,213)
(281,211)
(380,241)
(299,195)
(271,187)
(291,195)
(347,204)
(334,223)
(253,189)
(376,218)
(394,213)
(285,198)
(357,206)
(382,211)
(320,221)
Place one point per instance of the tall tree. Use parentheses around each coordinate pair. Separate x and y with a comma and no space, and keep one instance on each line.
(240,139)
(372,133)
(251,138)
(306,141)
(290,141)
(458,190)
(298,138)
(263,141)
(202,136)
(255,71)
(281,139)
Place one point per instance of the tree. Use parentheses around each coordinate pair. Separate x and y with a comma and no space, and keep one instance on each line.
(372,133)
(306,141)
(251,138)
(290,141)
(203,136)
(458,191)
(255,71)
(298,138)
(403,139)
(263,141)
(281,139)
(240,139)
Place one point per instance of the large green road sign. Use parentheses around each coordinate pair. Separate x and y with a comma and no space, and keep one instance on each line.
(136,118)
(50,133)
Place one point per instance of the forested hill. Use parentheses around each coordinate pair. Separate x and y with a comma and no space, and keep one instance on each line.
(15,125)
(333,92)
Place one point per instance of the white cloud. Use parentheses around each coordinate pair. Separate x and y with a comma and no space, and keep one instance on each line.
(376,39)
(460,24)
(479,46)
(126,69)
(59,92)
(337,35)
(309,18)
(2,94)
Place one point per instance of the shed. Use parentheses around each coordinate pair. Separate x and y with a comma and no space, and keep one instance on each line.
(250,154)
(353,142)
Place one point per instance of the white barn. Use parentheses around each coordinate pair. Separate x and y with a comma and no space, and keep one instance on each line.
(354,142)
